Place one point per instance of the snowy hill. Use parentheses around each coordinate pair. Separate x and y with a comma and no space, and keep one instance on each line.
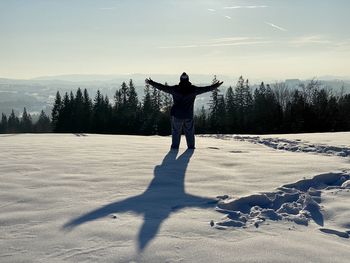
(111,198)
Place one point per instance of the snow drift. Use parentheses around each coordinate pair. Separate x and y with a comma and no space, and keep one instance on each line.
(298,202)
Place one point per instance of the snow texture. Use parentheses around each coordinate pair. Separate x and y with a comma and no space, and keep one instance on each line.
(114,198)
(298,202)
(290,145)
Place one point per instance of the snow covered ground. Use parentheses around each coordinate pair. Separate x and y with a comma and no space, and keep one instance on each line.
(108,198)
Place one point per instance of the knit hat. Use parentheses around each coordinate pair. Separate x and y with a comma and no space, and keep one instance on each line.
(184,77)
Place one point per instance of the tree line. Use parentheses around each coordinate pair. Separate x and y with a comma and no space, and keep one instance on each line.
(14,124)
(241,109)
(276,109)
(78,113)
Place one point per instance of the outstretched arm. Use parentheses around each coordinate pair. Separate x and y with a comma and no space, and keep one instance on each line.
(167,89)
(215,85)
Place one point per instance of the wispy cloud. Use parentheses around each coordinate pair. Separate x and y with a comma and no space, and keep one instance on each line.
(179,46)
(318,41)
(242,43)
(223,42)
(235,39)
(245,7)
(307,40)
(275,26)
(211,10)
(228,17)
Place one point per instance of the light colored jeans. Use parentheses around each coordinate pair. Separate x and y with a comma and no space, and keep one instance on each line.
(176,129)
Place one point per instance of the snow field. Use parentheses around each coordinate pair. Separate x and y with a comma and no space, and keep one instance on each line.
(106,198)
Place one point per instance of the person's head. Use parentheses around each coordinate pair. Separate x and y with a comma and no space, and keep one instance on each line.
(184,78)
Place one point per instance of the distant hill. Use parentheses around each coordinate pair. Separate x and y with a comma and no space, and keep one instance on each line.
(38,93)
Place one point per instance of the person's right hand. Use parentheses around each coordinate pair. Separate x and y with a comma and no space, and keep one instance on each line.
(148,81)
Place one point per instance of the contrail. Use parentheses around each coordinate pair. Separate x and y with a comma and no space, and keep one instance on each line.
(276,26)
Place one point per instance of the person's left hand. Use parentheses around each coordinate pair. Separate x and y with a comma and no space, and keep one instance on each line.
(218,84)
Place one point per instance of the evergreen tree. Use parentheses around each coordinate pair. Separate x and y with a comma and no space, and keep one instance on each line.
(78,112)
(267,113)
(147,112)
(57,107)
(43,125)
(13,124)
(231,118)
(156,103)
(214,125)
(107,116)
(201,125)
(244,104)
(344,110)
(26,124)
(297,112)
(64,120)
(221,114)
(98,111)
(132,98)
(86,112)
(124,90)
(3,126)
(132,110)
(333,115)
(164,125)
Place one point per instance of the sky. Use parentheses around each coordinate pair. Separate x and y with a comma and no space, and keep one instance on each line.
(276,39)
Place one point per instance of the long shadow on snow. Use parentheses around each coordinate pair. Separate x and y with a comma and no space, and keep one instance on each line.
(164,195)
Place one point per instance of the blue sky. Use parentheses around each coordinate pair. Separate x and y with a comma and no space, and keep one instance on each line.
(256,38)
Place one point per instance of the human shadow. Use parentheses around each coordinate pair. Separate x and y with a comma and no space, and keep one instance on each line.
(165,195)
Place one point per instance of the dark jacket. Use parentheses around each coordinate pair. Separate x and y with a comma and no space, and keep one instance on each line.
(184,95)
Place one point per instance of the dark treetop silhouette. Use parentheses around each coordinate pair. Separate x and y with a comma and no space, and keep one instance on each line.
(184,95)
(164,195)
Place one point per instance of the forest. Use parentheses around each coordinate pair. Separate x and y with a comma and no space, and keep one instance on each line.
(264,110)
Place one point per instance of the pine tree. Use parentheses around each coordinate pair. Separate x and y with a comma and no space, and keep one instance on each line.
(43,125)
(26,124)
(333,115)
(3,128)
(55,115)
(124,90)
(132,98)
(97,122)
(156,102)
(231,113)
(13,123)
(201,122)
(244,103)
(221,114)
(344,109)
(297,112)
(147,112)
(164,125)
(87,112)
(214,110)
(132,111)
(64,120)
(78,112)
(107,116)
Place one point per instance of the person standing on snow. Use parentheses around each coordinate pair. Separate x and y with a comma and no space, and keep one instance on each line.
(184,95)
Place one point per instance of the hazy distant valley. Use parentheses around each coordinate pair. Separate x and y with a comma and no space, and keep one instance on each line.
(39,93)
